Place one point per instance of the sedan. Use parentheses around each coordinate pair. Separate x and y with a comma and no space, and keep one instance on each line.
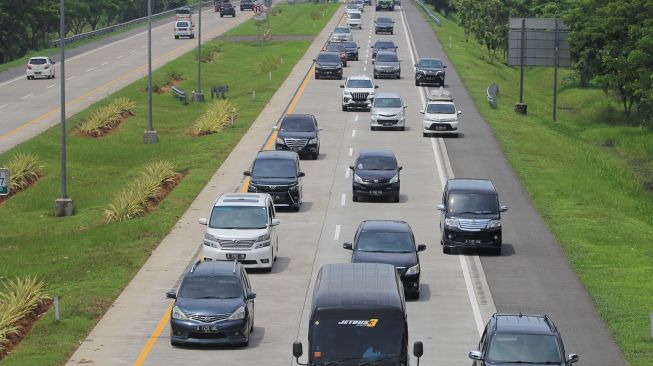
(376,174)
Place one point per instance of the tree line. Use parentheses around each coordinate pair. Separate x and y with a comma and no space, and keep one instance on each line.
(611,41)
(27,25)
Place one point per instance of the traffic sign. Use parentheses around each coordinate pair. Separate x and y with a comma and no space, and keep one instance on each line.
(4,182)
(258,9)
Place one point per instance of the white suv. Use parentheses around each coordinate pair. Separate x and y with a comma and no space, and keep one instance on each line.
(242,227)
(184,28)
(440,115)
(358,92)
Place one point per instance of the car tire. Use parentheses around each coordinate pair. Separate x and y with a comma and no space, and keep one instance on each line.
(340,77)
(344,108)
(314,156)
(424,134)
(375,76)
(456,135)
(174,344)
(398,76)
(395,198)
(356,58)
(176,37)
(192,36)
(221,15)
(354,198)
(403,128)
(417,83)
(372,128)
(446,250)
(54,75)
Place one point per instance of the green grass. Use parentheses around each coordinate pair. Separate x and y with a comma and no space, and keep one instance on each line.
(298,19)
(589,175)
(87,263)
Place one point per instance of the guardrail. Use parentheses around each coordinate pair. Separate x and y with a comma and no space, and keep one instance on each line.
(435,19)
(116,27)
(492,93)
(179,93)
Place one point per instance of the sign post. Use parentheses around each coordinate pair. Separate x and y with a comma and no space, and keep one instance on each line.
(4,182)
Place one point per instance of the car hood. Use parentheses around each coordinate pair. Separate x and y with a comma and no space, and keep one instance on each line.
(474,216)
(387,112)
(328,64)
(359,90)
(440,116)
(406,260)
(431,69)
(209,306)
(386,64)
(273,181)
(244,234)
(376,174)
(297,135)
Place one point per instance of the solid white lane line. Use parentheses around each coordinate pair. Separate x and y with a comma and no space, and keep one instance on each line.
(105,63)
(353,133)
(343,199)
(27,96)
(50,86)
(336,235)
(356,118)
(346,170)
(89,70)
(4,105)
(471,293)
(70,78)
(351,151)
(118,57)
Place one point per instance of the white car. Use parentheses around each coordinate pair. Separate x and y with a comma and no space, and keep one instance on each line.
(388,112)
(38,67)
(361,5)
(440,115)
(342,34)
(351,7)
(358,92)
(184,28)
(355,20)
(242,227)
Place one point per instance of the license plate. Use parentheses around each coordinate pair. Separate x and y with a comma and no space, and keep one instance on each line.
(387,123)
(376,193)
(472,241)
(440,128)
(37,73)
(208,328)
(232,256)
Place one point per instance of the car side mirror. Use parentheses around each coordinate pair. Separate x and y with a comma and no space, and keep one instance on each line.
(53,62)
(319,128)
(351,167)
(372,61)
(444,67)
(376,86)
(347,246)
(274,128)
(314,60)
(405,106)
(301,174)
(297,350)
(250,296)
(441,207)
(342,85)
(171,295)
(400,168)
(572,358)
(275,222)
(475,355)
(193,25)
(358,48)
(459,112)
(421,247)
(203,221)
(415,65)
(503,208)
(421,111)
(418,349)
(247,173)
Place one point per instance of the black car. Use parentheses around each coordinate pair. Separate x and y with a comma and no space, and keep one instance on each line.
(352,50)
(384,25)
(383,46)
(511,339)
(328,64)
(227,9)
(376,174)
(392,242)
(429,70)
(277,173)
(246,5)
(214,305)
(299,133)
(337,47)
(471,215)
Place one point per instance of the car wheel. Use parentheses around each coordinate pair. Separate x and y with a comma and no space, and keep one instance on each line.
(192,36)
(54,75)
(403,128)
(424,134)
(340,77)
(375,76)
(176,37)
(314,156)
(221,15)
(446,250)
(398,76)
(416,82)
(395,198)
(356,58)
(344,108)
(456,135)
(354,198)
(372,128)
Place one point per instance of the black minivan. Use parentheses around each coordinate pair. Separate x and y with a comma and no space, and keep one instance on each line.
(277,173)
(376,174)
(471,215)
(299,133)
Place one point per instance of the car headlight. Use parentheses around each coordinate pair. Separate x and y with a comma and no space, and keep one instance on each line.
(396,67)
(178,314)
(312,141)
(210,240)
(493,224)
(413,270)
(280,141)
(263,241)
(452,223)
(358,179)
(238,314)
(293,188)
(251,187)
(395,179)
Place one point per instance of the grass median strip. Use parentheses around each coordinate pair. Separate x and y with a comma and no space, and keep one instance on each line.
(87,262)
(590,176)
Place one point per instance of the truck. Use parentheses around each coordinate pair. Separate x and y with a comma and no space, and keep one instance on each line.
(358,316)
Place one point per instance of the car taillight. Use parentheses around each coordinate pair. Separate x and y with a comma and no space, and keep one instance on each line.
(29,67)
(46,66)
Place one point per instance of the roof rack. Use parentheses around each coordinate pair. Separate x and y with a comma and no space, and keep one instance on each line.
(235,264)
(440,94)
(192,269)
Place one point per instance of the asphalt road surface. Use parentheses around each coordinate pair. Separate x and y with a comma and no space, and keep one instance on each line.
(532,276)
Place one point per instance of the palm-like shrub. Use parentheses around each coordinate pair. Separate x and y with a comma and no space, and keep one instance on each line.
(216,118)
(24,169)
(102,120)
(18,298)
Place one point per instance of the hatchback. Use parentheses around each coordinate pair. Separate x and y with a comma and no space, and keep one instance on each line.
(388,112)
(40,67)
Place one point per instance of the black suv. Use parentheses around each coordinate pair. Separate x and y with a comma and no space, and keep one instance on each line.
(471,215)
(511,339)
(277,173)
(383,46)
(227,9)
(352,50)
(391,242)
(384,25)
(429,70)
(246,5)
(328,64)
(214,305)
(376,174)
(299,133)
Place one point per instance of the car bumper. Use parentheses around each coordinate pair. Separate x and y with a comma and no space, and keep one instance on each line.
(375,190)
(350,103)
(440,127)
(38,74)
(307,149)
(328,73)
(280,198)
(355,25)
(381,73)
(254,258)
(229,332)
(384,29)
(452,237)
(427,78)
(183,34)
(388,122)
(411,283)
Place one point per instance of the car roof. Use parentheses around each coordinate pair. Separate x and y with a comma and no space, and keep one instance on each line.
(384,52)
(387,95)
(385,226)
(383,41)
(277,154)
(39,58)
(215,268)
(241,199)
(520,323)
(359,77)
(376,152)
(296,116)
(471,185)
(335,54)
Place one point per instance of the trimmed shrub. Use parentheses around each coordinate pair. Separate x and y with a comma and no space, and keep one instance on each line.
(103,120)
(216,118)
(24,169)
(18,298)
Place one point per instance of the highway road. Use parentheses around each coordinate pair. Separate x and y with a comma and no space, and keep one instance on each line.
(459,292)
(31,107)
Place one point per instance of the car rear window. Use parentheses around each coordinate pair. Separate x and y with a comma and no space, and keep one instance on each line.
(387,57)
(37,61)
(182,24)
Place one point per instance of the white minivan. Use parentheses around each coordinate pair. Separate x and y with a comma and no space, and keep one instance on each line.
(242,227)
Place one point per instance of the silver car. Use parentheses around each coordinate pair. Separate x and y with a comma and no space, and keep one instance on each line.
(342,34)
(386,64)
(388,112)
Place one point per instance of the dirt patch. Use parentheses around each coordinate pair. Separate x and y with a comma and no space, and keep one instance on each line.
(164,192)
(160,90)
(24,325)
(106,130)
(3,199)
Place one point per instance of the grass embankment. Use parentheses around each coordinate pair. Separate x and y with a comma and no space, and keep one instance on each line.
(86,262)
(589,175)
(287,19)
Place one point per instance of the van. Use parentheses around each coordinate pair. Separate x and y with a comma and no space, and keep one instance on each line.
(242,227)
(184,28)
(440,114)
(358,314)
(184,13)
(277,173)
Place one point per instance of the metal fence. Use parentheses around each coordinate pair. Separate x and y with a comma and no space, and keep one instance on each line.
(433,17)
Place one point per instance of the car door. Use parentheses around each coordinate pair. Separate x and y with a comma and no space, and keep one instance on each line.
(317,132)
(273,229)
(443,213)
(482,346)
(248,288)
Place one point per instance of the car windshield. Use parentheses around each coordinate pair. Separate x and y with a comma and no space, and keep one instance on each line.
(274,168)
(183,11)
(335,47)
(182,24)
(354,15)
(238,217)
(376,163)
(476,203)
(380,241)
(37,61)
(432,64)
(387,57)
(351,45)
(359,83)
(384,20)
(524,348)
(387,103)
(210,287)
(291,124)
(328,57)
(440,109)
(384,45)
(365,337)
(341,30)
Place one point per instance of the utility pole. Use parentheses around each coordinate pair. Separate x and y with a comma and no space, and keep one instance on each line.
(198,96)
(150,136)
(63,206)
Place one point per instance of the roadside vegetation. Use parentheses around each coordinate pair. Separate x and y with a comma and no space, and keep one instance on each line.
(590,176)
(303,19)
(25,170)
(219,115)
(87,261)
(104,119)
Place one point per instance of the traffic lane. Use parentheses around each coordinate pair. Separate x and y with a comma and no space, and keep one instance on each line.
(533,275)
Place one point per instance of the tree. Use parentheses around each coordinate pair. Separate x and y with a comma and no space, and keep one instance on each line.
(466,10)
(490,25)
